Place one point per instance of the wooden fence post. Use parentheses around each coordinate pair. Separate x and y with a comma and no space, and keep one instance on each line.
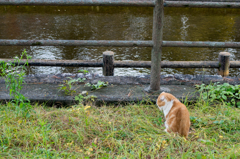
(224,63)
(158,15)
(108,61)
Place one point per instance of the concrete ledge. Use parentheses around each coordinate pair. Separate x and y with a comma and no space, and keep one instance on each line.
(45,88)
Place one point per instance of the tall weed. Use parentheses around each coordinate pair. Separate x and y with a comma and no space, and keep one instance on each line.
(14,75)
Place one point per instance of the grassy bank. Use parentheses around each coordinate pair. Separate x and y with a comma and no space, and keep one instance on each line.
(133,131)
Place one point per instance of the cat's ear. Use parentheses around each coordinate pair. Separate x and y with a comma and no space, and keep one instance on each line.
(162,98)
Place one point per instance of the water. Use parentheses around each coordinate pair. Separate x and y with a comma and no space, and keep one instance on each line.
(118,23)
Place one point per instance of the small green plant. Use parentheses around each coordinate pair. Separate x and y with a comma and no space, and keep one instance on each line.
(99,85)
(84,96)
(220,92)
(79,98)
(67,86)
(83,71)
(13,75)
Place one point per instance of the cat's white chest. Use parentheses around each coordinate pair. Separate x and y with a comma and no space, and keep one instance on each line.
(166,109)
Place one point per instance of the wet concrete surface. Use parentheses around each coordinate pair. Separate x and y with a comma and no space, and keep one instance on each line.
(50,93)
(45,87)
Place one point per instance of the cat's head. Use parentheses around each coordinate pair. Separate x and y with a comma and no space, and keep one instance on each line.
(161,100)
(164,98)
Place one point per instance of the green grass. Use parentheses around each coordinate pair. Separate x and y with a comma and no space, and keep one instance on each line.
(133,131)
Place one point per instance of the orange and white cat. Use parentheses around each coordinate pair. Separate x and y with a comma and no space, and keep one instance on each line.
(176,114)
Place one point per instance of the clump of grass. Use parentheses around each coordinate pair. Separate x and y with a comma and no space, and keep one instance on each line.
(133,131)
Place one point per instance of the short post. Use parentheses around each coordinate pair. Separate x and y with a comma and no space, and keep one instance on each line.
(157,45)
(108,63)
(224,63)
